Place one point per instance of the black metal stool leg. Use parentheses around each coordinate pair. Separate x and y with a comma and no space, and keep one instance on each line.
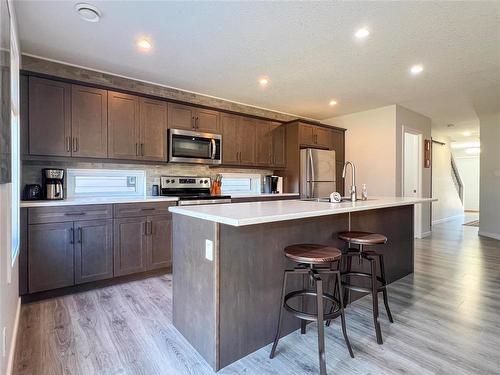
(342,316)
(347,291)
(305,285)
(336,289)
(384,290)
(278,331)
(321,328)
(374,286)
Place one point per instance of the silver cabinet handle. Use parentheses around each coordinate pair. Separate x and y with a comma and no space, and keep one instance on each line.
(68,144)
(142,149)
(74,144)
(196,123)
(80,235)
(136,149)
(193,122)
(72,236)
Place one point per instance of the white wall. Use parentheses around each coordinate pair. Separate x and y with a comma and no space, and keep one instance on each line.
(370,145)
(489,221)
(9,289)
(468,167)
(443,188)
(408,119)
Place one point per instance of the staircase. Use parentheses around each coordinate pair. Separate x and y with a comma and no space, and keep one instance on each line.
(457,180)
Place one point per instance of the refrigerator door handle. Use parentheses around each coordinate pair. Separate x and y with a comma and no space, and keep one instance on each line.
(311,174)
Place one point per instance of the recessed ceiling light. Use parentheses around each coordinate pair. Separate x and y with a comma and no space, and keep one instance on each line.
(467,133)
(264,81)
(416,69)
(88,12)
(332,103)
(144,44)
(362,33)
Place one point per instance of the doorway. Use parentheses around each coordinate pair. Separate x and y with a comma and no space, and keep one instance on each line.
(412,173)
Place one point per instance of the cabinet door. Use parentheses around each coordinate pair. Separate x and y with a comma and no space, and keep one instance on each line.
(153,129)
(93,250)
(130,245)
(207,121)
(49,117)
(306,135)
(160,242)
(181,116)
(246,141)
(279,151)
(230,149)
(263,144)
(338,144)
(123,126)
(323,137)
(50,256)
(89,122)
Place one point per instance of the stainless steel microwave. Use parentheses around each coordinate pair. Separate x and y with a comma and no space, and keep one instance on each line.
(187,146)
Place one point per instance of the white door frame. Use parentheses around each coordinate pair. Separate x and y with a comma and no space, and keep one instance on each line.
(418,207)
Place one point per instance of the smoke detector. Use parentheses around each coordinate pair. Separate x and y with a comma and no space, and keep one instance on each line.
(450,125)
(88,12)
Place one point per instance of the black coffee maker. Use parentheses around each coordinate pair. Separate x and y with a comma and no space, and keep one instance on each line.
(271,184)
(53,183)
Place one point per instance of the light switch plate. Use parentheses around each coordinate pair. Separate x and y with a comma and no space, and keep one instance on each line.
(209,250)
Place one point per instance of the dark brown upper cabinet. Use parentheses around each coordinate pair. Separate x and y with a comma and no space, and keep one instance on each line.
(191,118)
(238,140)
(279,141)
(49,117)
(315,136)
(89,122)
(123,126)
(263,144)
(230,146)
(153,129)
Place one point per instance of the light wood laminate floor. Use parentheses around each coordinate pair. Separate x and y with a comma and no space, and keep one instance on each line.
(447,321)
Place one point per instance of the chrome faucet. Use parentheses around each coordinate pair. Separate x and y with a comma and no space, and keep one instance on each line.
(352,191)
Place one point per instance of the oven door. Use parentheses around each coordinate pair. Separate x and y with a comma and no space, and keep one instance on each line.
(193,147)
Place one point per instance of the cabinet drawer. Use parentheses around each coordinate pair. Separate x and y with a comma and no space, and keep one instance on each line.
(41,215)
(142,209)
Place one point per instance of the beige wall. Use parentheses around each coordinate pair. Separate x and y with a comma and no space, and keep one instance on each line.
(408,119)
(489,223)
(443,187)
(374,142)
(370,145)
(9,289)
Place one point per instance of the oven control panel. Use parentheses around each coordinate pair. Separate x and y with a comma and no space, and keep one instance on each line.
(177,182)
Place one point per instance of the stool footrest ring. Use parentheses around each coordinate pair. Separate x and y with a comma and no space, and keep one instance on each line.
(312,316)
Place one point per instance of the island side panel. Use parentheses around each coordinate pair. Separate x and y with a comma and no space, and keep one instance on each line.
(251,275)
(195,285)
(396,223)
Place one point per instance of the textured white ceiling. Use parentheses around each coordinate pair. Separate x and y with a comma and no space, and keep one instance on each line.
(306,48)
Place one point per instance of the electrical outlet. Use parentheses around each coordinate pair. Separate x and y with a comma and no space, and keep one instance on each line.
(4,342)
(209,250)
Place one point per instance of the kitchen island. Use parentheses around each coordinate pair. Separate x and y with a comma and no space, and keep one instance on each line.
(228,264)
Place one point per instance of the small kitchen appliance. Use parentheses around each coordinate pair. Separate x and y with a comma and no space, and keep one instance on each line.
(190,190)
(53,182)
(187,146)
(32,192)
(271,184)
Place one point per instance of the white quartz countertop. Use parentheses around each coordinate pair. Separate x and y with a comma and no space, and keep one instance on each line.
(95,200)
(240,214)
(263,195)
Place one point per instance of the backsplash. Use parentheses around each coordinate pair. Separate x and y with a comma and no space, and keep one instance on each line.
(31,170)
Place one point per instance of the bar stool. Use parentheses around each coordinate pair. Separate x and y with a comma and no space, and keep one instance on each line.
(313,262)
(377,283)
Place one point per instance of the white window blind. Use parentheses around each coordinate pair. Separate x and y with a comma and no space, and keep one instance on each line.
(241,183)
(105,182)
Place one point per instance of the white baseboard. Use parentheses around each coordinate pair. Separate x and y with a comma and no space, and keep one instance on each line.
(10,363)
(495,236)
(446,219)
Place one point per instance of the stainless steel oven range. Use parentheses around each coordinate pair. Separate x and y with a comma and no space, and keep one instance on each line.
(187,146)
(190,190)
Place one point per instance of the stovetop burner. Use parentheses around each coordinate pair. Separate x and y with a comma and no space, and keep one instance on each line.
(188,188)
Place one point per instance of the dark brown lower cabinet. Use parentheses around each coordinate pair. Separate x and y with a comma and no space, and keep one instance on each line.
(160,242)
(93,250)
(50,256)
(130,245)
(142,244)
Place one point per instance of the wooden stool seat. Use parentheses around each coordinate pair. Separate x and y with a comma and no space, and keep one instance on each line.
(363,238)
(312,253)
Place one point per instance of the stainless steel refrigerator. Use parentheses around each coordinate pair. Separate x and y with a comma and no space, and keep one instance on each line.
(317,173)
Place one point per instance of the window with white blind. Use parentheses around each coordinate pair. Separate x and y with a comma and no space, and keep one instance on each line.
(105,183)
(241,183)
